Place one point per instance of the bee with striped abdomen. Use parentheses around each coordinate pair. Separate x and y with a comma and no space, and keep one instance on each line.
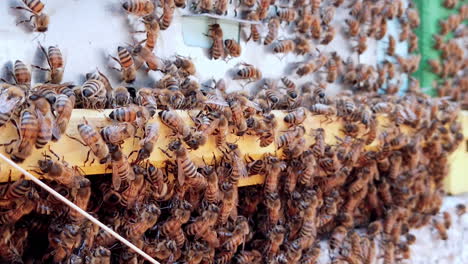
(127,65)
(92,139)
(215,32)
(94,94)
(168,14)
(248,72)
(273,27)
(139,7)
(28,129)
(56,65)
(41,19)
(233,48)
(45,120)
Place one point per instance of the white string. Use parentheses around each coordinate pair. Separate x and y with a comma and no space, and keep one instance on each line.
(81,211)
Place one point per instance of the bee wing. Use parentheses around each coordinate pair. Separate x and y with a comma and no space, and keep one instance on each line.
(180,173)
(56,133)
(116,181)
(6,106)
(217,100)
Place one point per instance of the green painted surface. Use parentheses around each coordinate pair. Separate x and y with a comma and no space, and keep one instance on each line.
(430,12)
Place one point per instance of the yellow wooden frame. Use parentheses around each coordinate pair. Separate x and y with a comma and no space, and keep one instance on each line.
(74,153)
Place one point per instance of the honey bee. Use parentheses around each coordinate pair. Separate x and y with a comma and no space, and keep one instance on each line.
(93,94)
(337,237)
(168,14)
(10,99)
(13,215)
(131,113)
(316,28)
(296,117)
(287,14)
(145,98)
(289,136)
(148,217)
(306,69)
(382,29)
(205,6)
(253,256)
(303,46)
(328,14)
(284,46)
(441,228)
(254,32)
(120,97)
(354,27)
(81,199)
(362,44)
(151,30)
(232,47)
(187,170)
(185,65)
(94,141)
(173,226)
(273,27)
(322,109)
(229,202)
(28,131)
(275,239)
(63,108)
(274,168)
(148,142)
(174,122)
(315,5)
(215,32)
(41,19)
(405,31)
(413,42)
(139,7)
(203,223)
(131,194)
(212,194)
(262,9)
(238,235)
(145,54)
(61,172)
(221,7)
(248,72)
(413,17)
(127,65)
(447,219)
(55,61)
(118,133)
(21,75)
(329,35)
(99,255)
(45,119)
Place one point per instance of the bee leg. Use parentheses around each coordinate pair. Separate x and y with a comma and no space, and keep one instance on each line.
(26,20)
(39,68)
(165,152)
(9,143)
(76,139)
(87,158)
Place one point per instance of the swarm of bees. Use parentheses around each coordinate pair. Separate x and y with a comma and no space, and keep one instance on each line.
(311,191)
(384,179)
(451,67)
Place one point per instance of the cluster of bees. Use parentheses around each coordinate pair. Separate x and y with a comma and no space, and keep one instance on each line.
(384,179)
(452,65)
(311,192)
